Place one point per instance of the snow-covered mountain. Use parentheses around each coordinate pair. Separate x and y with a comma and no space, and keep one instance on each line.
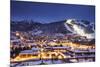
(80,27)
(54,27)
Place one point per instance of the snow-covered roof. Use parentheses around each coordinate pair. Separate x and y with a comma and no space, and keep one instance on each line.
(26,52)
(79,51)
(35,49)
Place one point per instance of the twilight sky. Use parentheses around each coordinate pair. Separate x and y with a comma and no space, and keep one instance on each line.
(46,12)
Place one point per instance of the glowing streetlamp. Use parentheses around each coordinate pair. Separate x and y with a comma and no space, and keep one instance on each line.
(21,38)
(17,34)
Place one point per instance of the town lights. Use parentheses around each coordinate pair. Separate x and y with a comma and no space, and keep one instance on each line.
(17,34)
(21,38)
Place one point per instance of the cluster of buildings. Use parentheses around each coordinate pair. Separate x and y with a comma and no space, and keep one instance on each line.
(25,48)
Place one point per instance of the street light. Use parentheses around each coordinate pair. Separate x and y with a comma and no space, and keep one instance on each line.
(17,34)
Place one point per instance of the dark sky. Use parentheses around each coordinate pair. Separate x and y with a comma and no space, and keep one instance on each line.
(46,12)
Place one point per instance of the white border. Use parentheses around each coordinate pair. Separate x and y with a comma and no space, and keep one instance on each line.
(5,32)
(84,2)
